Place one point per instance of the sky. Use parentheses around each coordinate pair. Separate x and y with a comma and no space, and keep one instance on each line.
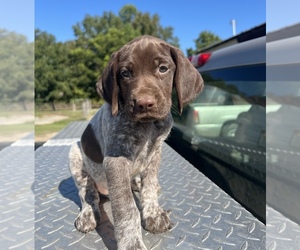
(188,17)
(282,13)
(18,16)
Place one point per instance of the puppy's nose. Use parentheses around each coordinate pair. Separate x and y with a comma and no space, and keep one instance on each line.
(145,104)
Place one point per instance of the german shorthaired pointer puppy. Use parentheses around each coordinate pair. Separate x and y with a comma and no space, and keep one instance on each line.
(124,139)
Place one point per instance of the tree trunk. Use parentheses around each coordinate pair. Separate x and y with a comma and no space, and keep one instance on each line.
(24,105)
(53,106)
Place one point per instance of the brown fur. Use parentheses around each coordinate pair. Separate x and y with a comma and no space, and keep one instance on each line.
(124,139)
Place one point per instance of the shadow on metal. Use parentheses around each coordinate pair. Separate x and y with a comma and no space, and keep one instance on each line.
(105,230)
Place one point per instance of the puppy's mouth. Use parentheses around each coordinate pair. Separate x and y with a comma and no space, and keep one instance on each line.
(148,116)
(147,112)
(145,117)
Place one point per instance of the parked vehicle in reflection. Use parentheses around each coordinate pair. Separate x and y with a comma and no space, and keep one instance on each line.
(223,131)
(283,119)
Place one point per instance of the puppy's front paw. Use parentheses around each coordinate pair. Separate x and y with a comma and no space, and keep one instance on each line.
(157,222)
(87,220)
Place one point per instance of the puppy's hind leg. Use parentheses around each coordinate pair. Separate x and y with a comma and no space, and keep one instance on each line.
(89,216)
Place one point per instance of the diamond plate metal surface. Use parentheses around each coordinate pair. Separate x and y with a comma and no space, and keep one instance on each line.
(73,130)
(245,177)
(16,195)
(205,217)
(283,185)
(282,233)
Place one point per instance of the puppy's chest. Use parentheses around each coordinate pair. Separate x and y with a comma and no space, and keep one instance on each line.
(149,147)
(146,155)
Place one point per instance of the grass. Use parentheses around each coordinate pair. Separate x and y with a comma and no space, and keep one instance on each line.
(8,113)
(8,130)
(43,130)
(15,124)
(70,113)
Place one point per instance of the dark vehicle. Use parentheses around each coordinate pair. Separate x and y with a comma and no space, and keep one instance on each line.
(223,131)
(283,125)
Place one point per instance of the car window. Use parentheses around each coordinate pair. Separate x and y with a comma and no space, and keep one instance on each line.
(213,95)
(226,101)
(283,118)
(223,131)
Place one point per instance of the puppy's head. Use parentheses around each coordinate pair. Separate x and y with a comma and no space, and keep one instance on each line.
(140,77)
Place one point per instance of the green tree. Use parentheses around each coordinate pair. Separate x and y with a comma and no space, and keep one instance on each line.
(205,39)
(51,69)
(70,70)
(16,68)
(98,37)
(142,23)
(150,25)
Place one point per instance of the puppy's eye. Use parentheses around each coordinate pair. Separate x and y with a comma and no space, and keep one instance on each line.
(163,69)
(125,73)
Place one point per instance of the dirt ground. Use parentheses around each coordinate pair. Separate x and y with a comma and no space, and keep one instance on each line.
(16,119)
(11,138)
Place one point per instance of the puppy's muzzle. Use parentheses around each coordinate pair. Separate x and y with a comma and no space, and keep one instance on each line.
(144,105)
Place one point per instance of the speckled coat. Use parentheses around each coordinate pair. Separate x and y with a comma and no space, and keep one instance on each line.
(124,139)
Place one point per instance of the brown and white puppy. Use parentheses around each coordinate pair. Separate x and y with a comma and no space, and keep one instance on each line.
(124,139)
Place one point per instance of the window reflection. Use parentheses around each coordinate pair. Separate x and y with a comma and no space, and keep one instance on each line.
(223,133)
(283,117)
(227,109)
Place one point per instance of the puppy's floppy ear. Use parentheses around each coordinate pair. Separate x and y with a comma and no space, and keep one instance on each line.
(187,80)
(107,85)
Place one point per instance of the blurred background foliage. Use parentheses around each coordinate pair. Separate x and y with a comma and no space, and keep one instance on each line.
(16,68)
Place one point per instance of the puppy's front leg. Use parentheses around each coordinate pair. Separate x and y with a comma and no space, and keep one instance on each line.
(154,218)
(127,221)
